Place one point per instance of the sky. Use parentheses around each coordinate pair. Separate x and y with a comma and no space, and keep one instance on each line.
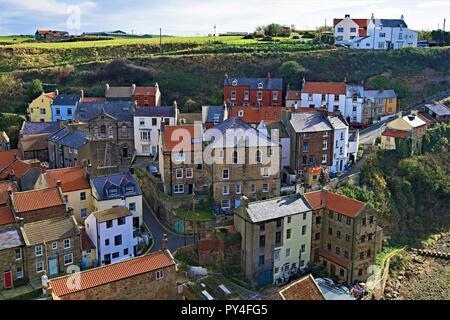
(177,17)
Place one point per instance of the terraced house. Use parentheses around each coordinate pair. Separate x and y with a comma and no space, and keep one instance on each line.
(141,96)
(64,106)
(40,109)
(33,140)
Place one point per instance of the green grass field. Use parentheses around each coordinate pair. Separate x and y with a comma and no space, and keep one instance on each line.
(14,40)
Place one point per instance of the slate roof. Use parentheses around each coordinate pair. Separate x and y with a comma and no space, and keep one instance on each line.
(391,23)
(305,122)
(215,113)
(29,128)
(66,100)
(282,132)
(380,94)
(355,89)
(277,208)
(98,186)
(168,112)
(252,83)
(10,239)
(119,110)
(50,230)
(111,214)
(439,109)
(114,272)
(337,122)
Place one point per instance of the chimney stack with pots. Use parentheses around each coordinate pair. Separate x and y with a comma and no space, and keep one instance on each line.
(165,243)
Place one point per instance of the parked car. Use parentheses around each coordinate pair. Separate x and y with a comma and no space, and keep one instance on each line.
(152,169)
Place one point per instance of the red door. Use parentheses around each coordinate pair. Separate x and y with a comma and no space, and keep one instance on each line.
(332,270)
(8,279)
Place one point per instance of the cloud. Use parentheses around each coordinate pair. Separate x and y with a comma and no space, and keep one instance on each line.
(44,7)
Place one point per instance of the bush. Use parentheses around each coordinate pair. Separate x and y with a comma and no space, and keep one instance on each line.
(292,73)
(248,37)
(267,39)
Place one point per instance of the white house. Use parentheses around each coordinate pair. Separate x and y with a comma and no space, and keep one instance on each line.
(354,104)
(112,232)
(326,95)
(147,127)
(384,34)
(347,29)
(340,144)
(115,190)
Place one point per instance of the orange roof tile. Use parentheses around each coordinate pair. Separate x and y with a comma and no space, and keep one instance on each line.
(325,87)
(51,95)
(174,136)
(36,199)
(72,179)
(6,157)
(335,202)
(303,289)
(293,95)
(114,272)
(144,91)
(256,115)
(4,186)
(334,259)
(396,133)
(6,216)
(19,168)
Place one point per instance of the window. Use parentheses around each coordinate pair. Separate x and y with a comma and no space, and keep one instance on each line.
(341,272)
(246,95)
(241,113)
(179,173)
(288,252)
(278,237)
(118,240)
(159,274)
(154,122)
(258,156)
(265,188)
(235,157)
(262,227)
(303,230)
(58,111)
(238,188)
(18,254)
(115,255)
(178,188)
(226,174)
(141,122)
(318,220)
(330,231)
(233,95)
(381,45)
(132,206)
(68,259)
(352,29)
(189,173)
(124,131)
(125,252)
(338,234)
(39,266)
(355,108)
(382,35)
(19,273)
(106,242)
(305,147)
(304,216)
(340,29)
(42,111)
(303,248)
(253,188)
(260,96)
(329,246)
(225,190)
(66,243)
(121,221)
(325,144)
(279,222)
(324,158)
(317,236)
(38,251)
(349,221)
(145,135)
(336,98)
(82,196)
(339,217)
(109,224)
(226,204)
(324,97)
(338,250)
(54,245)
(69,111)
(265,172)
(261,260)
(262,241)
(288,234)
(66,199)
(347,238)
(400,35)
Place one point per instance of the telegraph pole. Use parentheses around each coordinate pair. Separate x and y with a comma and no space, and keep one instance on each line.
(160,40)
(194,217)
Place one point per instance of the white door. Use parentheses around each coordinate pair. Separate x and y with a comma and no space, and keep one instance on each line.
(53,267)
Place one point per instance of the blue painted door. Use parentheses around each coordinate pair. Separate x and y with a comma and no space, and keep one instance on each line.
(179,227)
(265,278)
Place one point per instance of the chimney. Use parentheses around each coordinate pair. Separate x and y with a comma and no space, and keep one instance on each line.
(373,17)
(12,176)
(133,89)
(345,80)
(10,191)
(107,87)
(402,17)
(43,168)
(362,83)
(244,202)
(303,81)
(347,16)
(82,94)
(123,203)
(226,76)
(59,183)
(57,92)
(269,76)
(165,243)
(299,188)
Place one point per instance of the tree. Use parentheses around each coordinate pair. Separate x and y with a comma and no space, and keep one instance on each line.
(9,87)
(292,72)
(35,90)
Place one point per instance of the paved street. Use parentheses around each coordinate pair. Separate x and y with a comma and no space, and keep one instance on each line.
(158,230)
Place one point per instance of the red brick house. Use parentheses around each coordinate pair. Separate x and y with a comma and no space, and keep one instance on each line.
(255,92)
(147,96)
(253,115)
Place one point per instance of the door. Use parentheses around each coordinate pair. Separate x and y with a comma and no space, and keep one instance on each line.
(8,279)
(125,152)
(332,270)
(53,267)
(191,188)
(107,259)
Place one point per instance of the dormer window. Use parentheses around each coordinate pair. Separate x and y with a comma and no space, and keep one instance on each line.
(241,113)
(129,189)
(112,192)
(260,85)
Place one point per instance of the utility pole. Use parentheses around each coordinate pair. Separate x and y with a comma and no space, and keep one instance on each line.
(160,40)
(443,33)
(194,217)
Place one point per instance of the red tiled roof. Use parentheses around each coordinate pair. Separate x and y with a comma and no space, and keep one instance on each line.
(86,243)
(6,157)
(334,259)
(114,272)
(36,199)
(144,91)
(4,186)
(177,136)
(396,133)
(303,289)
(256,115)
(293,95)
(325,87)
(6,216)
(334,202)
(72,179)
(19,168)
(51,95)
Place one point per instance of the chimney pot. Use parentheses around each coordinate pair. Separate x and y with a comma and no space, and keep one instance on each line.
(347,16)
(269,76)
(244,202)
(10,191)
(59,183)
(165,242)
(226,75)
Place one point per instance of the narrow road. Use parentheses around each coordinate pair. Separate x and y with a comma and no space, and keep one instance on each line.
(158,230)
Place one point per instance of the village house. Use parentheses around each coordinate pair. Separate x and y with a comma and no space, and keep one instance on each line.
(340,144)
(406,131)
(75,187)
(348,28)
(305,288)
(12,259)
(386,34)
(50,35)
(181,161)
(344,238)
(379,103)
(40,109)
(4,142)
(293,98)
(112,233)
(330,96)
(110,123)
(148,122)
(354,104)
(141,96)
(52,246)
(254,92)
(33,139)
(276,238)
(21,172)
(242,161)
(150,277)
(118,190)
(213,115)
(64,106)
(439,112)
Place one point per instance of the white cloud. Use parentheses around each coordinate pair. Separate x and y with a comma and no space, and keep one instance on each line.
(45,7)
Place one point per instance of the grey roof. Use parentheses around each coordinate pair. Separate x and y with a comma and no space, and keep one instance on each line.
(282,132)
(40,127)
(215,113)
(391,23)
(233,123)
(10,239)
(120,110)
(72,139)
(112,214)
(253,83)
(310,122)
(338,122)
(100,184)
(355,89)
(380,94)
(155,112)
(277,208)
(439,109)
(49,230)
(66,100)
(119,92)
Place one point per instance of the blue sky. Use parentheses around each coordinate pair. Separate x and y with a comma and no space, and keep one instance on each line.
(198,17)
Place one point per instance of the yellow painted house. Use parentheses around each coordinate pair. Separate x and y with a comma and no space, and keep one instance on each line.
(40,109)
(391,105)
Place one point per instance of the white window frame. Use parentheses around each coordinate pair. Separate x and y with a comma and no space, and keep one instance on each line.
(179,187)
(18,254)
(19,274)
(65,259)
(179,173)
(233,95)
(253,188)
(66,244)
(246,95)
(189,173)
(159,274)
(259,95)
(238,188)
(325,145)
(324,158)
(41,264)
(38,253)
(54,245)
(265,172)
(227,176)
(265,188)
(275,95)
(225,190)
(227,202)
